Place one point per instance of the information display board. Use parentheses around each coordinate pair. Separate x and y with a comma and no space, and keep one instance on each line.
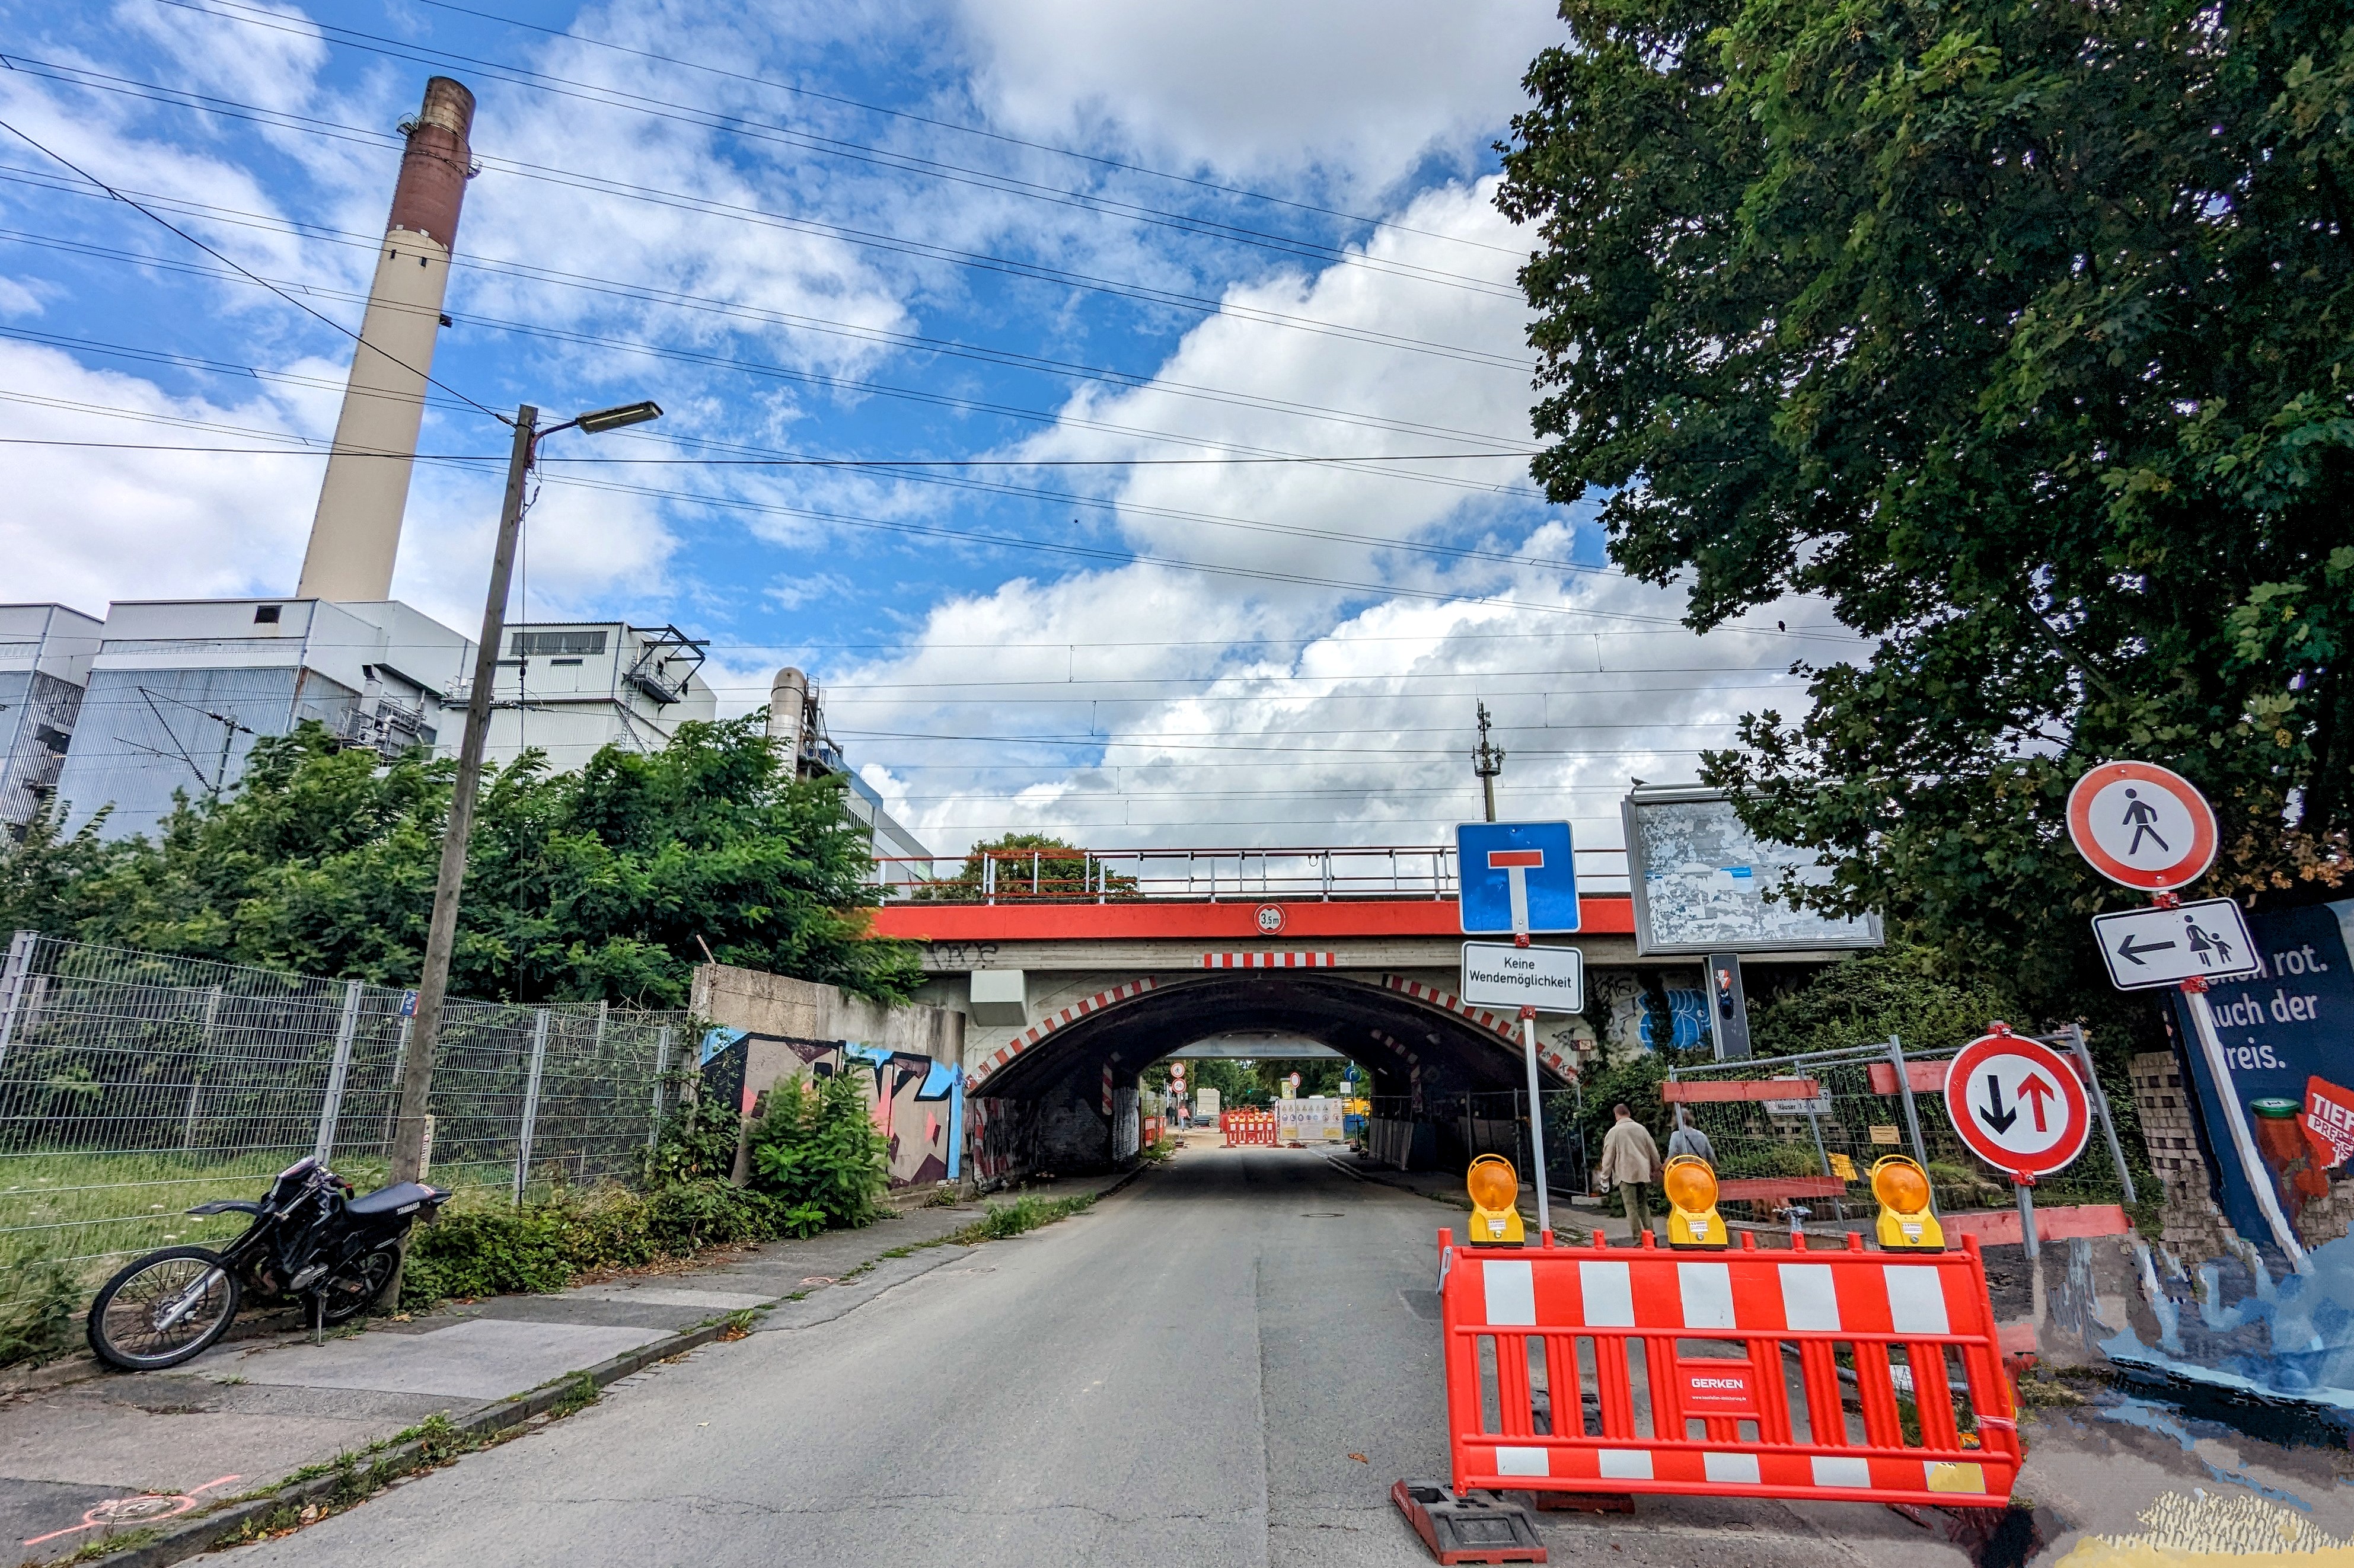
(1700,881)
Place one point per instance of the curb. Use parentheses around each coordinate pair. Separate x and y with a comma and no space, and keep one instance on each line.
(198,1535)
(195,1535)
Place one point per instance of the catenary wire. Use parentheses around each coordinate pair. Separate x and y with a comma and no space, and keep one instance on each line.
(607,96)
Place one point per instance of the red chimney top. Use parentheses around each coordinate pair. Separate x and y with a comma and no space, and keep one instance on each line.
(438,163)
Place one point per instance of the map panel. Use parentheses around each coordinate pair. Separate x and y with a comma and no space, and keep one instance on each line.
(1700,881)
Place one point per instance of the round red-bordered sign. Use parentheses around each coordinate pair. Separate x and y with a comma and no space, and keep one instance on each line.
(1270,919)
(2018,1104)
(2142,825)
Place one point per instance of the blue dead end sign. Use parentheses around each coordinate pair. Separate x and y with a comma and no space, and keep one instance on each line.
(1517,876)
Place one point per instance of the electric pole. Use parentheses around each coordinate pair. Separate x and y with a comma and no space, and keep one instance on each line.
(433,985)
(1487,762)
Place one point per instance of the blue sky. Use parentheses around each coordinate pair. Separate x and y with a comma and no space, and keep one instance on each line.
(1089,246)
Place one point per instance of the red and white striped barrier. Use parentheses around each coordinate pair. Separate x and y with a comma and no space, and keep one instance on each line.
(1558,1325)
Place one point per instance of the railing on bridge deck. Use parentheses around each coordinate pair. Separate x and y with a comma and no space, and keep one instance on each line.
(1201,875)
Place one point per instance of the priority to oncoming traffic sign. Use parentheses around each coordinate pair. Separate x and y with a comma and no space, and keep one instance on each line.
(1497,974)
(1517,877)
(2017,1105)
(2146,948)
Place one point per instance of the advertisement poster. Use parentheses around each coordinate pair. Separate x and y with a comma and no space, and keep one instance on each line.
(2289,1038)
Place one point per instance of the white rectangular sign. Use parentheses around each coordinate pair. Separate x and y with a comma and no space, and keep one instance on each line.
(2149,948)
(1800,1107)
(1497,974)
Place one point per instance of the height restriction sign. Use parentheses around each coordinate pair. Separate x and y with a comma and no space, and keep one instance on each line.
(2017,1105)
(2143,825)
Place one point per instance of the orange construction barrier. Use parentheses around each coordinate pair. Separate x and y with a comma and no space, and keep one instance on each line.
(1797,1373)
(1247,1128)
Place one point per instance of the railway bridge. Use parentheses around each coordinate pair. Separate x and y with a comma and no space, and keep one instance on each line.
(1077,971)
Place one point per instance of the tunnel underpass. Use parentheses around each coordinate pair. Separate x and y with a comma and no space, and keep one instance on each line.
(1070,1101)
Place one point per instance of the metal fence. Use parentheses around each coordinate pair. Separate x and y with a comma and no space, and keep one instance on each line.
(1210,875)
(1816,1152)
(135,1085)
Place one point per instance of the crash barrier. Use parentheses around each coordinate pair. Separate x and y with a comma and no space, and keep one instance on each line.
(1247,1128)
(1797,1373)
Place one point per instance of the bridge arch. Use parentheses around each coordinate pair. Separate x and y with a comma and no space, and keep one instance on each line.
(1067,1079)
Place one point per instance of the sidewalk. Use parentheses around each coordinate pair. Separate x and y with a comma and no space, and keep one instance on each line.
(113,1453)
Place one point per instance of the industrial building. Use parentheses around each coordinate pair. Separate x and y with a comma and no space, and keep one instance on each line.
(44,656)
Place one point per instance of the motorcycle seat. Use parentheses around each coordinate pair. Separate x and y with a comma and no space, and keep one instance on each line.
(390,1200)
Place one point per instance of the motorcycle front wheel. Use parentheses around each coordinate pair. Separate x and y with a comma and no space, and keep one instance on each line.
(346,1293)
(163,1309)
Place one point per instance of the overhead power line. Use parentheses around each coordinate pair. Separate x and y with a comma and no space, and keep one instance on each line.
(249,276)
(974,130)
(606,185)
(855,332)
(607,95)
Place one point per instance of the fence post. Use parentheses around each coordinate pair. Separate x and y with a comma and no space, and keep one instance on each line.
(12,985)
(2075,1036)
(197,1073)
(333,1105)
(530,1101)
(1911,1113)
(661,1071)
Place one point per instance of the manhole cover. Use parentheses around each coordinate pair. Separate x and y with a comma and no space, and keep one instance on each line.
(130,1510)
(820,1280)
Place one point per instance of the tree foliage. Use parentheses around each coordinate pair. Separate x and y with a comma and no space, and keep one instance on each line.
(603,883)
(2022,334)
(1029,865)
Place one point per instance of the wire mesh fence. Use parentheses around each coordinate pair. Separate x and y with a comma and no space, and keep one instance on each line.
(135,1085)
(1812,1147)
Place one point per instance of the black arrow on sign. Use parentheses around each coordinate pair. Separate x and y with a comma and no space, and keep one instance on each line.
(1992,1113)
(2132,954)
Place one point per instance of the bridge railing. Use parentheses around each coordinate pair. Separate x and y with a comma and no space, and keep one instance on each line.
(1201,875)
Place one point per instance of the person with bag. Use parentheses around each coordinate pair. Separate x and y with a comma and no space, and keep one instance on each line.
(1630,1161)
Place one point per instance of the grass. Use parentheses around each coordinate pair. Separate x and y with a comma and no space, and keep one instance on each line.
(1002,1222)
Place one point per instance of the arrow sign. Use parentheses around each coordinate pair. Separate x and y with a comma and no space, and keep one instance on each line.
(1992,1113)
(2017,1105)
(2145,949)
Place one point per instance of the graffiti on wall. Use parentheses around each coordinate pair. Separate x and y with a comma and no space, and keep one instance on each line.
(1004,1139)
(917,1104)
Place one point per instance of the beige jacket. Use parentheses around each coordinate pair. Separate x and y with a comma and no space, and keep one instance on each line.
(1629,1154)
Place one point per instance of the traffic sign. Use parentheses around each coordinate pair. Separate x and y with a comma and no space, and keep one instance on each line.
(2142,825)
(2149,948)
(2017,1105)
(1517,877)
(1498,974)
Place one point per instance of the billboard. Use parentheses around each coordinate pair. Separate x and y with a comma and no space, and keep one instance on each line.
(2287,1033)
(1700,881)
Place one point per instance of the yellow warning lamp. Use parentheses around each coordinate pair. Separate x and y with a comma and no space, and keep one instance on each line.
(1691,1187)
(1495,1190)
(1902,1189)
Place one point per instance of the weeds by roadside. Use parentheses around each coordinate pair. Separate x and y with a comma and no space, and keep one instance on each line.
(1001,1222)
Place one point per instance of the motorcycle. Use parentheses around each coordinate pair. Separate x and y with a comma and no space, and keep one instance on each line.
(311,1238)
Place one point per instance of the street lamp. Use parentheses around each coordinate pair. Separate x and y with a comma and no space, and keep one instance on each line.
(416,1066)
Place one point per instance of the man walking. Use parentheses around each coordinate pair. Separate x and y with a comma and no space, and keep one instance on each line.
(1630,1161)
(1690,1139)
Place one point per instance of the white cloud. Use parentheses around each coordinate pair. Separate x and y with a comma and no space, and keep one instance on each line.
(1362,87)
(83,526)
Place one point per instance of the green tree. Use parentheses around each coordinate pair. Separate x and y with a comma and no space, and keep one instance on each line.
(604,883)
(2020,334)
(1029,865)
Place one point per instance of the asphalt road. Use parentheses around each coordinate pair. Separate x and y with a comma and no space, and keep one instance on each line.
(1229,1362)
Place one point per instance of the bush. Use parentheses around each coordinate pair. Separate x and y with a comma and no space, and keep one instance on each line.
(40,1302)
(1898,990)
(817,1153)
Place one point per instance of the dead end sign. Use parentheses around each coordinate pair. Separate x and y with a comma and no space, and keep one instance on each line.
(2017,1105)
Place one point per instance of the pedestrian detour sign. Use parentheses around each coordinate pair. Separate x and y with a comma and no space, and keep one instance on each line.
(2016,1104)
(2146,948)
(2142,825)
(1517,876)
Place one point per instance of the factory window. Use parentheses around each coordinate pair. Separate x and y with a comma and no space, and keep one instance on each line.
(530,644)
(266,614)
